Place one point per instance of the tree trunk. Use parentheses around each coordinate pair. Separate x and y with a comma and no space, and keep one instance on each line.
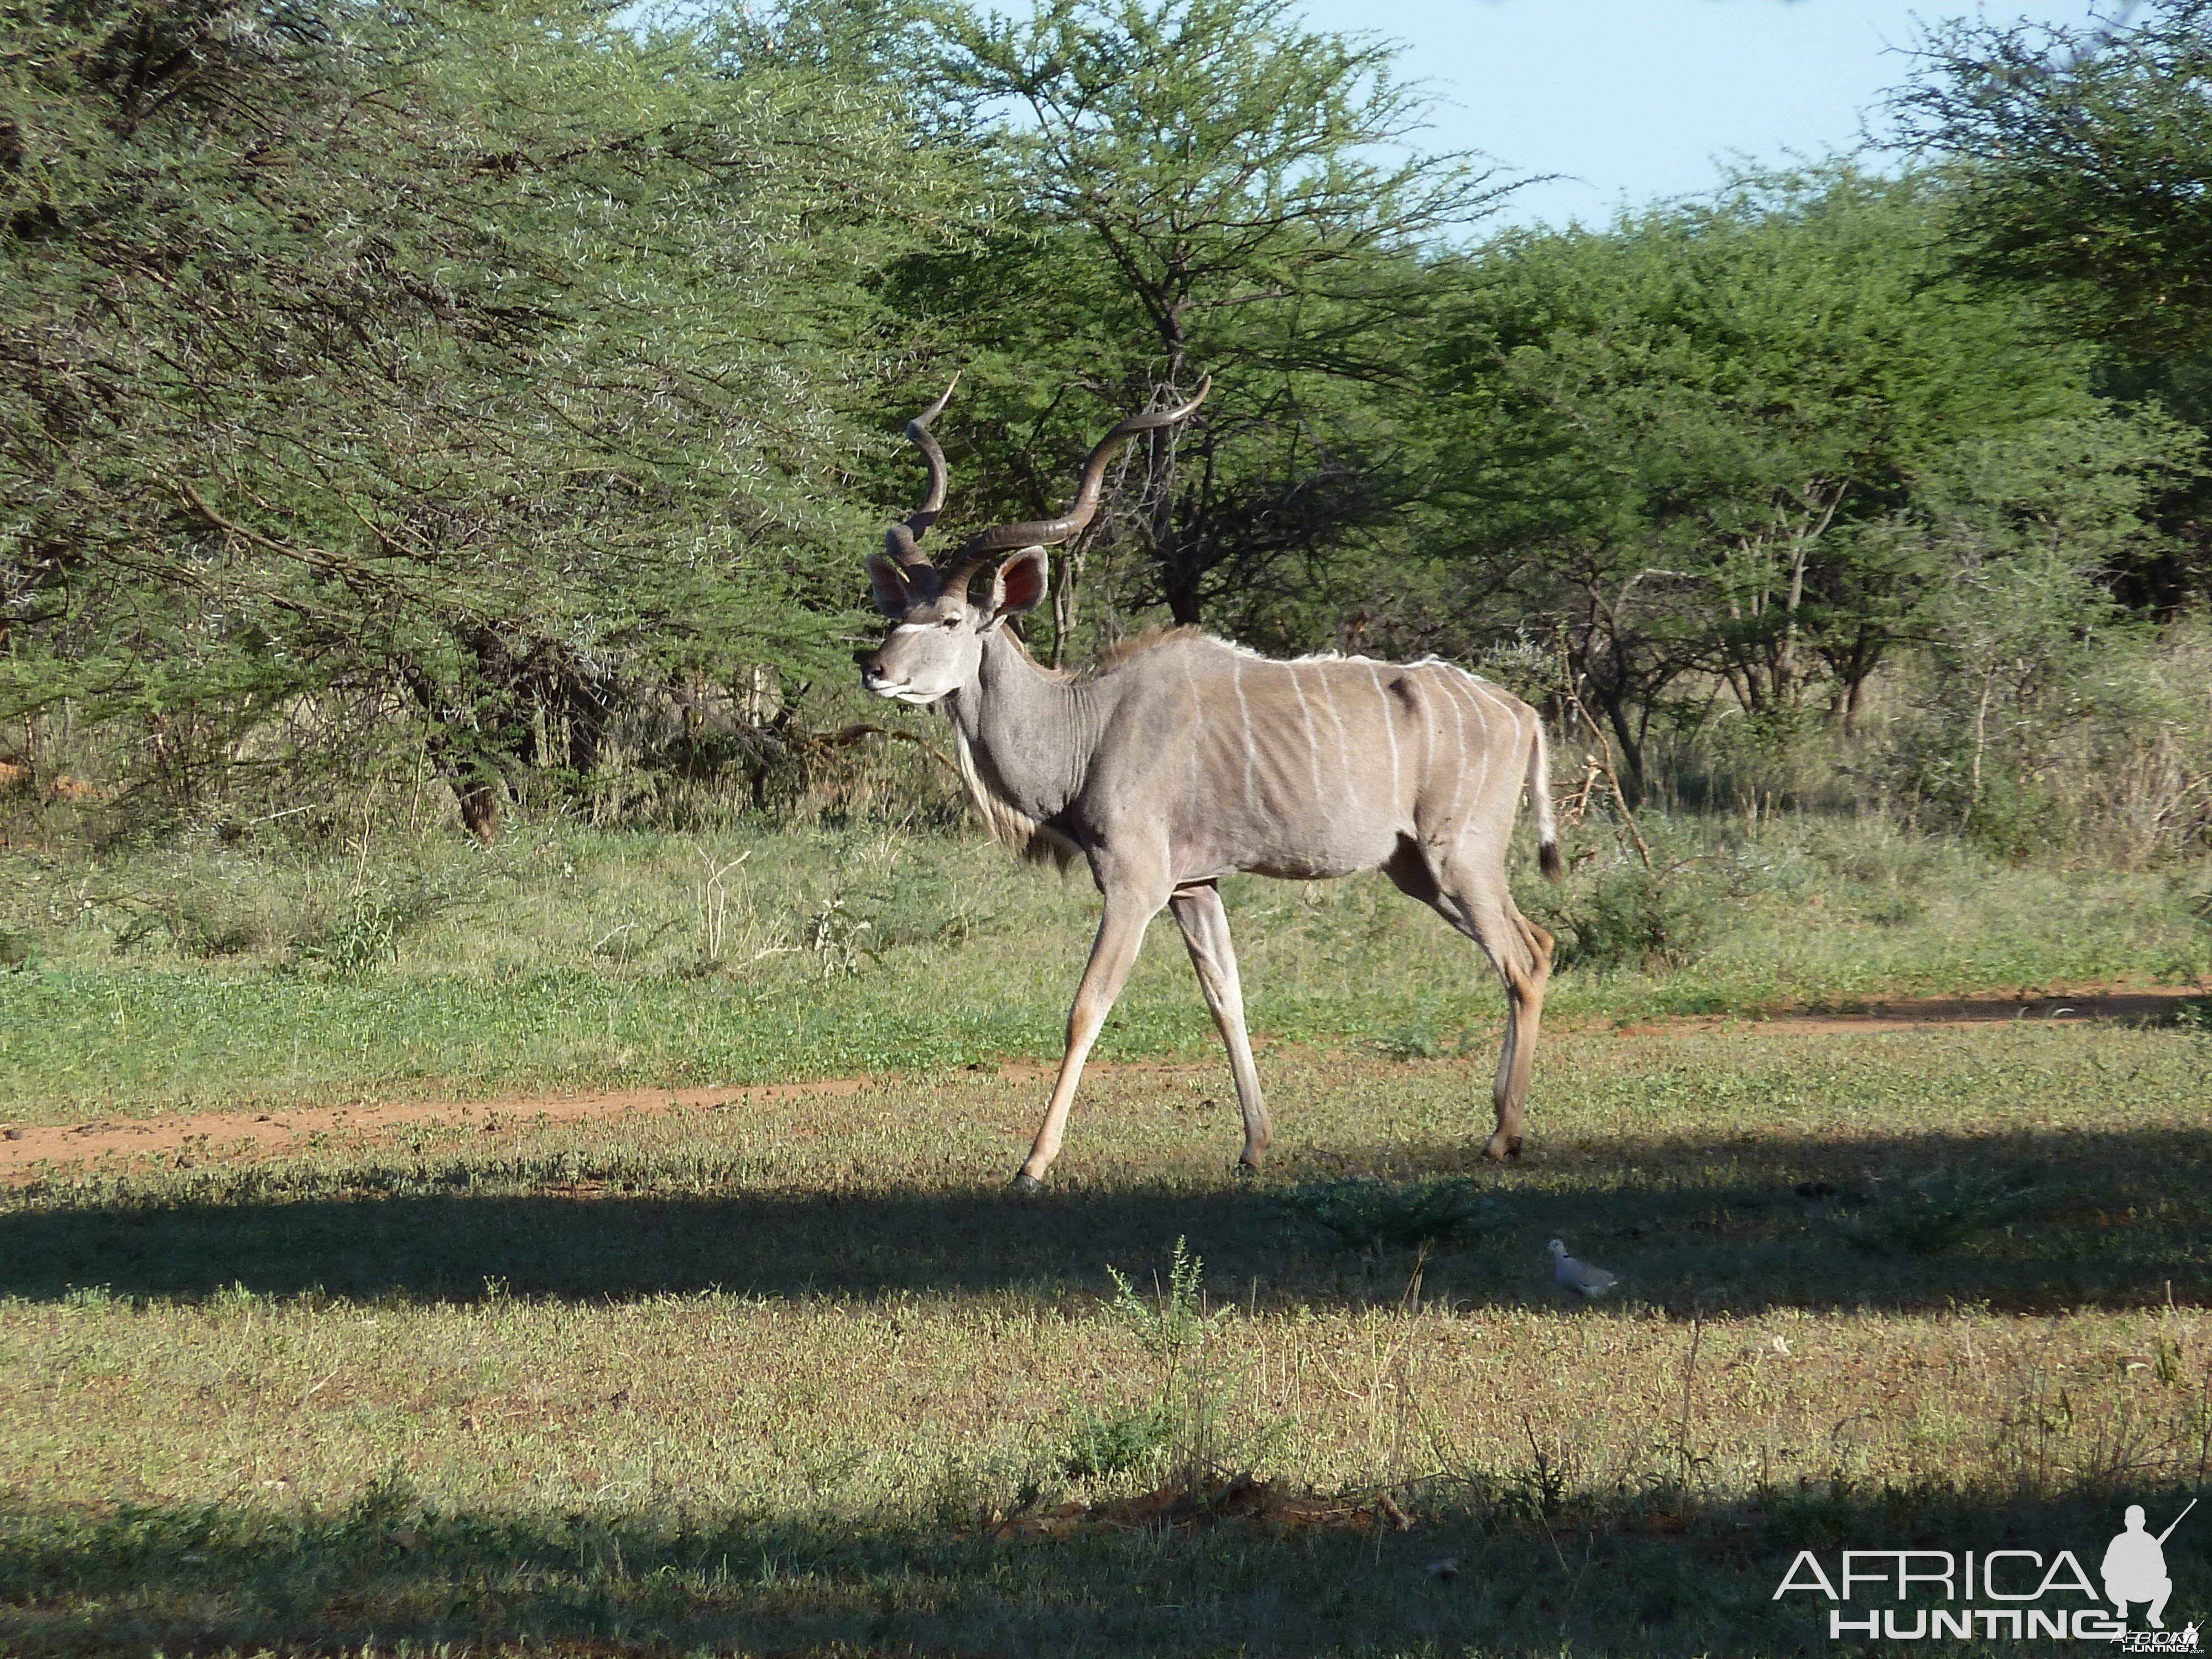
(1065,591)
(1179,574)
(1179,586)
(1785,684)
(1631,747)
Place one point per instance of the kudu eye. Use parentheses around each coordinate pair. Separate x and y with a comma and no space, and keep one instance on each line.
(949,622)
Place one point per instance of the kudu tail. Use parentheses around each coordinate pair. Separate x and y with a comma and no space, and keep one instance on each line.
(1539,798)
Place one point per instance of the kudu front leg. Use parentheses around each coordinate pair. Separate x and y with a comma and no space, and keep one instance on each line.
(1113,953)
(1204,923)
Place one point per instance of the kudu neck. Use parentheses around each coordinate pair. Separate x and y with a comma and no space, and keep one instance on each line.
(1032,730)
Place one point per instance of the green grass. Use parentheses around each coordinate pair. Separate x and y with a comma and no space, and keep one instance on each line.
(766,1375)
(566,958)
(791,1373)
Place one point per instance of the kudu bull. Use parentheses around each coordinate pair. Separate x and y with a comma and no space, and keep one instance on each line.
(1189,758)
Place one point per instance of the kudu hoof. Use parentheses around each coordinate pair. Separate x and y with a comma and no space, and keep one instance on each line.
(1501,1150)
(1024,1184)
(1247,1168)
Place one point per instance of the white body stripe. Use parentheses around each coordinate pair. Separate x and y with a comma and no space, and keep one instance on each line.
(1237,676)
(1459,772)
(1506,706)
(1474,699)
(1313,743)
(1389,726)
(1343,748)
(1428,772)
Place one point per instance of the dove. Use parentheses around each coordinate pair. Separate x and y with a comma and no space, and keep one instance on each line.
(1584,1277)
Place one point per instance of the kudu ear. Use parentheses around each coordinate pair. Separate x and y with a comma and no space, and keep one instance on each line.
(1017,586)
(894,593)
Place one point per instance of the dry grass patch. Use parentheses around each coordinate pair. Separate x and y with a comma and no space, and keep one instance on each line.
(795,1373)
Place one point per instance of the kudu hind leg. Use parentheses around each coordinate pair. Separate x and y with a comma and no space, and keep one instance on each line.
(1476,903)
(1113,953)
(1204,924)
(1523,959)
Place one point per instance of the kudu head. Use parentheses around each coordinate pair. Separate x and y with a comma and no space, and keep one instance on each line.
(936,643)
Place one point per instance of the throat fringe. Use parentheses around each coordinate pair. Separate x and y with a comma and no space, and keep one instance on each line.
(1006,823)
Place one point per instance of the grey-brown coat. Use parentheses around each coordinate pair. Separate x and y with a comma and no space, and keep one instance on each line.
(1187,758)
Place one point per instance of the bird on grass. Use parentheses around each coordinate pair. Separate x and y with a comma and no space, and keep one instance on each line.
(1585,1278)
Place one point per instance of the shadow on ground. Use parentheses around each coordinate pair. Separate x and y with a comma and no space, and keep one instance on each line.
(1654,1574)
(2028,1223)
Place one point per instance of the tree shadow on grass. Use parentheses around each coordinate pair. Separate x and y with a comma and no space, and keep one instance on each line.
(1654,1572)
(2029,1223)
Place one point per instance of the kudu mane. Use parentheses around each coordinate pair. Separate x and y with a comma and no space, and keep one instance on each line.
(1135,645)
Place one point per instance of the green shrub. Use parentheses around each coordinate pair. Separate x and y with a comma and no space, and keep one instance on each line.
(1367,1214)
(1630,917)
(1932,1213)
(1191,1425)
(1134,1442)
(362,937)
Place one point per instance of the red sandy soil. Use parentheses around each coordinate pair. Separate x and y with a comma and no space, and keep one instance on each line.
(2153,1002)
(233,1136)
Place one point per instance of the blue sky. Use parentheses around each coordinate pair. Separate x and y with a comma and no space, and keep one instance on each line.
(1638,99)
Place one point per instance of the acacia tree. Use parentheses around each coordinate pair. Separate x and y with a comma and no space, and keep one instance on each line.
(2023,642)
(1665,438)
(2078,158)
(1193,189)
(466,363)
(2083,154)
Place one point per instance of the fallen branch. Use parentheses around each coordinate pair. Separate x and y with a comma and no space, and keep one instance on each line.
(854,734)
(1605,751)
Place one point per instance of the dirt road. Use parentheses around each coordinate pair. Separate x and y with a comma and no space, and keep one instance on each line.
(28,1150)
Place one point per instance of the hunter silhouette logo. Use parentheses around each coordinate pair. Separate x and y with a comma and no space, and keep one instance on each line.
(2135,1566)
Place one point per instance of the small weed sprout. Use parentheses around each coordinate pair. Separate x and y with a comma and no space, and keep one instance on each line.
(1538,1489)
(2165,1367)
(1182,1430)
(1173,1325)
(230,1299)
(364,938)
(965,1487)
(1101,1446)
